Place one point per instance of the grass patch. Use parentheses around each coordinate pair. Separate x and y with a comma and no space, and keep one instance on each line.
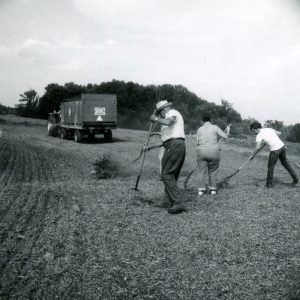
(16,120)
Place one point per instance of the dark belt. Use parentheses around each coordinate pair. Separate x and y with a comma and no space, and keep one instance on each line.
(172,139)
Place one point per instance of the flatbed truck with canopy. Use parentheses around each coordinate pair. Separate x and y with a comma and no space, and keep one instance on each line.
(85,116)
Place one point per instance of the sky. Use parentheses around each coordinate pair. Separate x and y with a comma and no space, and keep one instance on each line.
(246,52)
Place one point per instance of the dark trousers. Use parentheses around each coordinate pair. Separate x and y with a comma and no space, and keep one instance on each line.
(172,163)
(273,158)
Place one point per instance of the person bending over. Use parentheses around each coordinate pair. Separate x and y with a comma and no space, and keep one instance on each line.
(269,136)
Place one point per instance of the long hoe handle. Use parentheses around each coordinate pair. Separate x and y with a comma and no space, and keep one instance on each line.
(144,156)
(139,176)
(238,170)
(189,176)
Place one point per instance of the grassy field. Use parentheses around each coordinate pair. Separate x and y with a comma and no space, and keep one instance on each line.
(12,119)
(65,234)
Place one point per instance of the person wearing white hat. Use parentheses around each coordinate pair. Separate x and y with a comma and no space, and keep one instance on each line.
(173,140)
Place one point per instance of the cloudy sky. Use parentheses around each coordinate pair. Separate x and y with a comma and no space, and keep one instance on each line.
(247,52)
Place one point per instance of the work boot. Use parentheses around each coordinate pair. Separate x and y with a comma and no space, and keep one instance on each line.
(176,209)
(295,182)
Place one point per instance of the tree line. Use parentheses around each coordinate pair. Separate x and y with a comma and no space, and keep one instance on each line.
(136,102)
(5,110)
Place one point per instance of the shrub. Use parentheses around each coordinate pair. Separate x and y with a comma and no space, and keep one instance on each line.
(105,167)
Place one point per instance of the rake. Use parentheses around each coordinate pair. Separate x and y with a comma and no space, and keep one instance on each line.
(135,189)
(224,182)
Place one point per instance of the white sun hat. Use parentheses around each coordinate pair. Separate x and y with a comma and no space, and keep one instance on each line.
(162,104)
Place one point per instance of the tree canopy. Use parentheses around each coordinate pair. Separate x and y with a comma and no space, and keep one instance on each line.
(136,102)
(29,102)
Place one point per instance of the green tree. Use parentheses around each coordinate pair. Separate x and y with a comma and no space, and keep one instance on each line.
(4,110)
(51,100)
(293,133)
(28,106)
(277,125)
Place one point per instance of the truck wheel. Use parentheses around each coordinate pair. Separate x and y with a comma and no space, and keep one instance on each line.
(77,136)
(108,136)
(63,133)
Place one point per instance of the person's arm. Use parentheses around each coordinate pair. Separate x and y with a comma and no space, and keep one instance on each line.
(155,133)
(153,146)
(258,147)
(224,134)
(277,132)
(167,121)
(227,130)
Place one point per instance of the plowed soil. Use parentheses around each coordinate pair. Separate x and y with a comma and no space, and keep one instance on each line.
(48,197)
(64,234)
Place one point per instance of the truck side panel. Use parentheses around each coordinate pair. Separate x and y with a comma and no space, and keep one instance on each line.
(99,108)
(77,113)
(96,110)
(70,112)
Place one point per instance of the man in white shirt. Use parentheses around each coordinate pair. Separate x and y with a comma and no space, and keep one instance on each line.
(270,137)
(173,140)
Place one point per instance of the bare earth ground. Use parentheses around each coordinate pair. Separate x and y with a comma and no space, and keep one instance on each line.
(65,234)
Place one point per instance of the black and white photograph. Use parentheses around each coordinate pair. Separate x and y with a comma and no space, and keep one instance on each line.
(150,149)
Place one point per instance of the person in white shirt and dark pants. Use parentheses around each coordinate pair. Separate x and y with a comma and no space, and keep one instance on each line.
(270,137)
(173,140)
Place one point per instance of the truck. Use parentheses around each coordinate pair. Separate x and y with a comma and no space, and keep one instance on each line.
(85,116)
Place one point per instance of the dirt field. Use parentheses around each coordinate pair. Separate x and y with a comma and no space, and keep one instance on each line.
(65,234)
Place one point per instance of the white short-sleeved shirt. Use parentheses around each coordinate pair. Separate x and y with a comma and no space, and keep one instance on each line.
(270,136)
(176,130)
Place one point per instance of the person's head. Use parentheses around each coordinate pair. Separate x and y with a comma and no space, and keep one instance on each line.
(206,118)
(162,107)
(255,126)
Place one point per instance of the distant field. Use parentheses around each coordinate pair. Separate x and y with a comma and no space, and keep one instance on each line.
(12,119)
(64,234)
